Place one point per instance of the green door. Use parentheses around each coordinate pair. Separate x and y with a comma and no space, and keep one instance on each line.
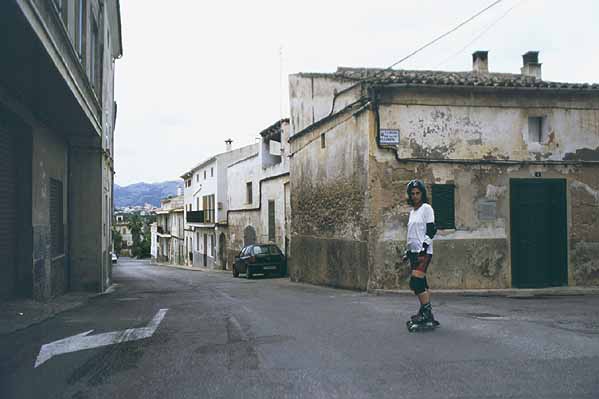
(538,232)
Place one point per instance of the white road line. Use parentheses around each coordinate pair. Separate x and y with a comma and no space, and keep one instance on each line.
(82,341)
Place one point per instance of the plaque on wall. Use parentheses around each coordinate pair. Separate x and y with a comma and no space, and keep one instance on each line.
(487,210)
(389,137)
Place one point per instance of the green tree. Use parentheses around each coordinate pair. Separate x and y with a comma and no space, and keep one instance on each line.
(144,248)
(136,225)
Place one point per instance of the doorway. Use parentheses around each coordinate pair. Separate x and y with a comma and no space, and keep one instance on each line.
(222,241)
(205,249)
(538,233)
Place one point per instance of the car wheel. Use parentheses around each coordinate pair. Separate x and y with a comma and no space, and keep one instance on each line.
(235,272)
(248,273)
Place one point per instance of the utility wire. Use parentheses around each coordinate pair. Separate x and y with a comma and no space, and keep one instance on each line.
(445,34)
(414,52)
(488,28)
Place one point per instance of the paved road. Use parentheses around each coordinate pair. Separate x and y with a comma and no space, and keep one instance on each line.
(269,338)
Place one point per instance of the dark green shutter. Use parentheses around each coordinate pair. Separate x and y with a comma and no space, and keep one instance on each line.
(271,220)
(444,205)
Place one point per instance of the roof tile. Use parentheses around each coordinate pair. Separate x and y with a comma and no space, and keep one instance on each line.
(445,78)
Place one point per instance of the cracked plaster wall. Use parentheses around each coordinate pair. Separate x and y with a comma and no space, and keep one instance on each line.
(329,201)
(477,253)
(311,98)
(458,126)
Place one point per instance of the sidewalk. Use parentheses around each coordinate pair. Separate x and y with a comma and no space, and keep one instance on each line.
(194,268)
(507,292)
(18,314)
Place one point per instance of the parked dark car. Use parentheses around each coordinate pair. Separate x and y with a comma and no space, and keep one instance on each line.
(264,259)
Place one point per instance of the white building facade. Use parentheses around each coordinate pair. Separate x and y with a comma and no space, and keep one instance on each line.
(258,194)
(167,243)
(205,208)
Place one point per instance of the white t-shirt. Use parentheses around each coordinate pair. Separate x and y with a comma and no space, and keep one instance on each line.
(417,228)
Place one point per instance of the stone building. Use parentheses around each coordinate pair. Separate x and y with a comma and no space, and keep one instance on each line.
(57,118)
(258,193)
(168,234)
(205,207)
(511,163)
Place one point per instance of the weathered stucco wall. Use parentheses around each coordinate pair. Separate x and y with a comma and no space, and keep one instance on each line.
(274,190)
(311,98)
(474,255)
(257,218)
(477,253)
(584,226)
(238,175)
(238,222)
(329,201)
(436,126)
(455,125)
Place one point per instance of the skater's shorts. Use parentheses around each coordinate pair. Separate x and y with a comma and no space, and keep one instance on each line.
(419,263)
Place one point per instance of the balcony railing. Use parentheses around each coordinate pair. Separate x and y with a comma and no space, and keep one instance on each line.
(195,216)
(162,230)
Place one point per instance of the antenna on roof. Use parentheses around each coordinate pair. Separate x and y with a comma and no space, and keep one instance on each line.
(280,82)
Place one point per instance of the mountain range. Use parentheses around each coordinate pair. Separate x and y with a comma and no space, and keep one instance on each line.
(144,193)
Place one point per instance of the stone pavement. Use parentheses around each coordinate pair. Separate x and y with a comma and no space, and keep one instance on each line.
(18,314)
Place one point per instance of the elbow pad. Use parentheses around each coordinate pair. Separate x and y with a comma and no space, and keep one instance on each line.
(431,230)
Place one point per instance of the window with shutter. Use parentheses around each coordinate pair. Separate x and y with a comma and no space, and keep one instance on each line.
(271,220)
(443,202)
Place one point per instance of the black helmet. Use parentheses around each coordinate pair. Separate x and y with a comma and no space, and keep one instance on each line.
(419,184)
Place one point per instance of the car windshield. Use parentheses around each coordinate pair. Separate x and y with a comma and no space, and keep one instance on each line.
(266,250)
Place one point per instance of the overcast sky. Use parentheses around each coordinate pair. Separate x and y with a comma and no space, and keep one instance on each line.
(194,73)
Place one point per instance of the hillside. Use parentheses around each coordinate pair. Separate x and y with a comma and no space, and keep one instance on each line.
(142,193)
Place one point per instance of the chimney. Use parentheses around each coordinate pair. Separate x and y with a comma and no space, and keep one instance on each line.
(480,61)
(228,143)
(531,66)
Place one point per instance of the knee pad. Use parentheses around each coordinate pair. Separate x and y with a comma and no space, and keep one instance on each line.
(418,285)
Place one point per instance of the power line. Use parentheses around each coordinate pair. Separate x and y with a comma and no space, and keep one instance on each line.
(488,28)
(445,34)
(414,52)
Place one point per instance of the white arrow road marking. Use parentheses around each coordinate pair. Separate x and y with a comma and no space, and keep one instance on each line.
(83,341)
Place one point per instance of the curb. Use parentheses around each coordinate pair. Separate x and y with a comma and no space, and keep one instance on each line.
(190,268)
(507,292)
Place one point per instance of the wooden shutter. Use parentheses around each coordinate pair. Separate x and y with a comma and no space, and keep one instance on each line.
(271,220)
(443,202)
